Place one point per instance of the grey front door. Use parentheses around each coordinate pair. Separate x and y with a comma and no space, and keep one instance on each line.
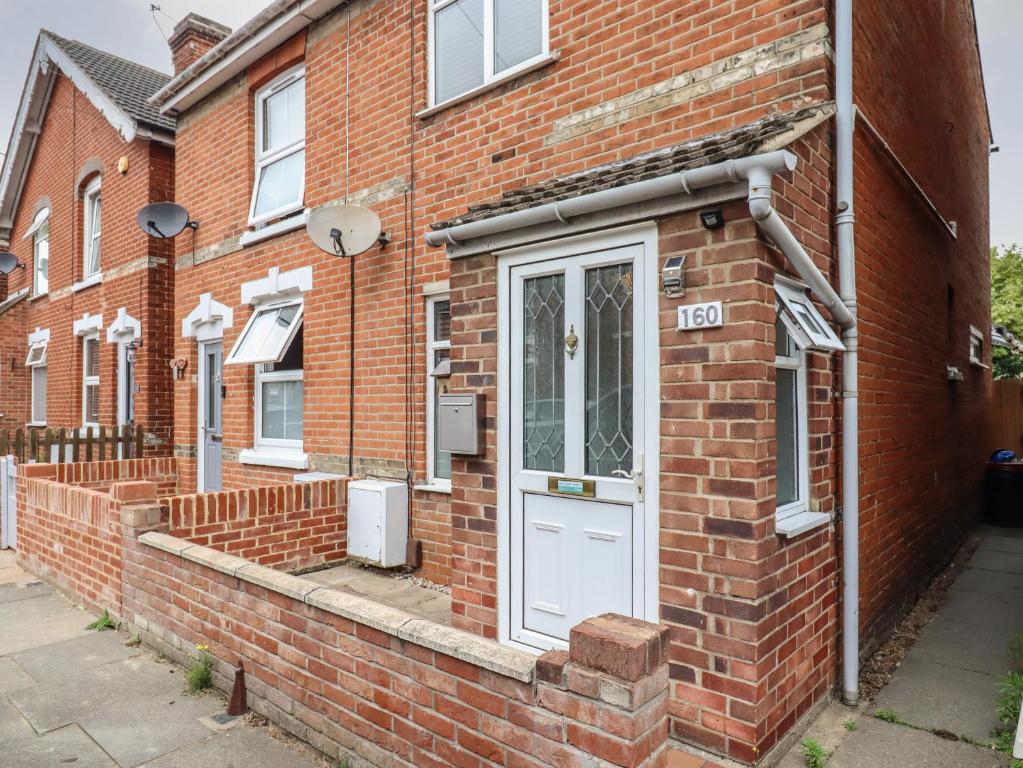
(211,426)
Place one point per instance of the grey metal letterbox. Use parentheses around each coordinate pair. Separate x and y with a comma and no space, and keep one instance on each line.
(460,423)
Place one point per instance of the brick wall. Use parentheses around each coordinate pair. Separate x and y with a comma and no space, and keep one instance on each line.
(287,527)
(357,679)
(101,475)
(137,272)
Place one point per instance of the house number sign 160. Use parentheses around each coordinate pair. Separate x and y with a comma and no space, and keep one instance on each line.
(696,316)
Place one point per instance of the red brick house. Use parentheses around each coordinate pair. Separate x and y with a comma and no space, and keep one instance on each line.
(705,402)
(84,325)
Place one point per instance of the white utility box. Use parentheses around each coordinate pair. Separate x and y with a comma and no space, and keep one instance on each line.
(378,522)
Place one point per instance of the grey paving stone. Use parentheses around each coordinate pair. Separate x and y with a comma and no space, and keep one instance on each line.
(237,748)
(931,695)
(965,646)
(984,609)
(998,543)
(136,731)
(40,621)
(989,582)
(990,560)
(12,592)
(875,744)
(12,725)
(68,747)
(56,661)
(54,705)
(12,677)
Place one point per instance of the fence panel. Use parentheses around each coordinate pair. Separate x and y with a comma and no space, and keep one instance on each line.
(8,503)
(66,446)
(1008,415)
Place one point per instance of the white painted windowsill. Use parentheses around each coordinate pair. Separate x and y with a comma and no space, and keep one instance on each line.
(801,523)
(94,279)
(434,487)
(268,458)
(281,227)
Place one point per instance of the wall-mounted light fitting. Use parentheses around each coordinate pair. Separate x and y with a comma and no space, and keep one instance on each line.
(712,219)
(673,276)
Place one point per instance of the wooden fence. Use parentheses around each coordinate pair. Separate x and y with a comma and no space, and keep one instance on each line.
(63,446)
(1008,415)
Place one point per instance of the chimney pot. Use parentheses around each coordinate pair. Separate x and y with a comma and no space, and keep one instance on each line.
(193,36)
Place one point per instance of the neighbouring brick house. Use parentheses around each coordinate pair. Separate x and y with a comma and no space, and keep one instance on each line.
(84,327)
(633,205)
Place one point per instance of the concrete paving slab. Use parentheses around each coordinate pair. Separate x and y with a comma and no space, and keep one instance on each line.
(990,560)
(136,731)
(984,609)
(60,749)
(40,621)
(12,677)
(930,695)
(54,705)
(12,725)
(12,591)
(989,582)
(876,744)
(965,646)
(237,748)
(421,601)
(56,661)
(998,543)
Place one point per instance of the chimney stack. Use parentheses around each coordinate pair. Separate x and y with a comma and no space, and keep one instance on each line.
(192,37)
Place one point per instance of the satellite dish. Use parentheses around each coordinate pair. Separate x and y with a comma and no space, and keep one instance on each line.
(344,230)
(163,220)
(8,263)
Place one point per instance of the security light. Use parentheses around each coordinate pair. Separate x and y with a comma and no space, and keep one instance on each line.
(712,219)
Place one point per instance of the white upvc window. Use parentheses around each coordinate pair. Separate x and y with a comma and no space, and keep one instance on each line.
(40,234)
(36,363)
(474,43)
(272,340)
(93,228)
(279,187)
(977,346)
(90,379)
(809,328)
(791,421)
(438,364)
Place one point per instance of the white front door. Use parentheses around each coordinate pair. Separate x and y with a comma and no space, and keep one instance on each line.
(577,430)
(211,418)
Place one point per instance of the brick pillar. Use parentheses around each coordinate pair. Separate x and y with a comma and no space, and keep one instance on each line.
(193,36)
(611,687)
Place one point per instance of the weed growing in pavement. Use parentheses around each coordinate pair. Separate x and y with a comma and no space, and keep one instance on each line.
(103,622)
(1015,653)
(889,716)
(134,641)
(816,756)
(199,676)
(850,725)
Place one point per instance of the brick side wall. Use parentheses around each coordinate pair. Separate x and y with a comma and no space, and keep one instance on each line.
(384,692)
(101,475)
(137,272)
(287,527)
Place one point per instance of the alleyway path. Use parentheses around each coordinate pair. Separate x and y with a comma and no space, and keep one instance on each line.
(71,696)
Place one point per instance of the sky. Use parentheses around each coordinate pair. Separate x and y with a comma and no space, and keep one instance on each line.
(127,28)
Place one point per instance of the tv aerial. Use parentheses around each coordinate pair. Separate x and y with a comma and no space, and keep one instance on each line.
(345,230)
(9,262)
(164,220)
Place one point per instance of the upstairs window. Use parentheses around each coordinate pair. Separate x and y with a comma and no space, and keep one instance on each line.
(93,228)
(477,42)
(40,234)
(280,149)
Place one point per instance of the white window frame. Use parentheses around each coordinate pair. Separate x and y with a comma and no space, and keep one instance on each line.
(812,330)
(797,363)
(432,346)
(35,360)
(977,347)
(265,159)
(88,381)
(39,232)
(38,419)
(92,235)
(236,358)
(490,77)
(264,376)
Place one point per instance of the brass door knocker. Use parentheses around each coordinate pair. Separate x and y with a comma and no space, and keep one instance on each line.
(571,342)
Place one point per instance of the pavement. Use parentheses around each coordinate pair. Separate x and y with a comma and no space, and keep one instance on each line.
(948,680)
(78,697)
(413,596)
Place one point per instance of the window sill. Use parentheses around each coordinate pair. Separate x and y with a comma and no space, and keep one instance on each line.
(801,523)
(547,60)
(91,280)
(38,296)
(437,486)
(270,458)
(36,424)
(284,226)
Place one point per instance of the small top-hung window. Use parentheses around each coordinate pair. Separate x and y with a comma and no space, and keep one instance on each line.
(267,335)
(811,329)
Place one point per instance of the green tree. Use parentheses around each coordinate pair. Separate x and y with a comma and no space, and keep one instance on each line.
(1007,306)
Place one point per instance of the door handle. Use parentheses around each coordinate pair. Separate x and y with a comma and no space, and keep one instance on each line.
(635,474)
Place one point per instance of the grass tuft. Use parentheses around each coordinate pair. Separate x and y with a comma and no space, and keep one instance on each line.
(199,675)
(850,724)
(889,716)
(104,622)
(815,755)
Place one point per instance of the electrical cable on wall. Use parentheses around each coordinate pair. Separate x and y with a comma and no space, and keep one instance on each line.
(410,268)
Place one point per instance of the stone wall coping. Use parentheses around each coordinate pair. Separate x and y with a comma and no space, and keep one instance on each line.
(478,651)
